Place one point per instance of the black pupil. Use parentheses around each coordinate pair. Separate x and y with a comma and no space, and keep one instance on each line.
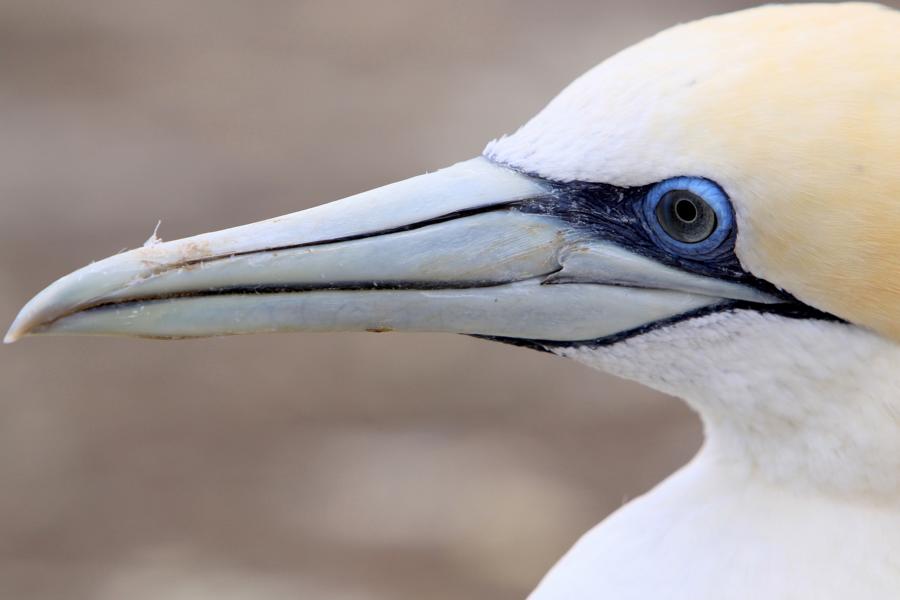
(685,210)
(686,216)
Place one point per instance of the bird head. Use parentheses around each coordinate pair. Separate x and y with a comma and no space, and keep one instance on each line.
(738,165)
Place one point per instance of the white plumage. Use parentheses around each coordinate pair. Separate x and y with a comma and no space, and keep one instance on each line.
(794,493)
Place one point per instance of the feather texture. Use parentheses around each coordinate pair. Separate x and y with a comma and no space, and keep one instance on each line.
(794,110)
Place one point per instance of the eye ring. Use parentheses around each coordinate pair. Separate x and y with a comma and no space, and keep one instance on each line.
(690,216)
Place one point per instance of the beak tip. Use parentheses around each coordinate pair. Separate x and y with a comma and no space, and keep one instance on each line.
(19,329)
(25,323)
(13,335)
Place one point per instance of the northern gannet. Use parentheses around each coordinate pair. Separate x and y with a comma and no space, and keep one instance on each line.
(714,212)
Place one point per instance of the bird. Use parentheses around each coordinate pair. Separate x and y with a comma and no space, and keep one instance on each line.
(713,212)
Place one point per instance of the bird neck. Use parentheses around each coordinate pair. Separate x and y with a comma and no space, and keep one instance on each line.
(804,404)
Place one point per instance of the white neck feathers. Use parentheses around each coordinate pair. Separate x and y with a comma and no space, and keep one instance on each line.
(799,403)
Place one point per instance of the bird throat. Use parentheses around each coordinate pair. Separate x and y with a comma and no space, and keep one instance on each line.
(801,403)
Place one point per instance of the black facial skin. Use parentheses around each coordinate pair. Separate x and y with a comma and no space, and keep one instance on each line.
(615,214)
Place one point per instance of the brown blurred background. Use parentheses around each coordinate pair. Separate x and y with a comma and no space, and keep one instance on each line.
(349,467)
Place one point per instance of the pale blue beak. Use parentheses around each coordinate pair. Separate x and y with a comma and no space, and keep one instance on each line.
(444,252)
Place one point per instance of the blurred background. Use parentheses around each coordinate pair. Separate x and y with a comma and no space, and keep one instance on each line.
(347,467)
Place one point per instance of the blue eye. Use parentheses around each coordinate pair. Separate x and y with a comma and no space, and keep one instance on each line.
(688,215)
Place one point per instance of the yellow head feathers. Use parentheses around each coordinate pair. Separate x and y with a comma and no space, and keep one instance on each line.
(794,110)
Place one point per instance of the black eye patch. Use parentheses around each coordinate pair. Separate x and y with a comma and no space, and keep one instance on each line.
(616,214)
